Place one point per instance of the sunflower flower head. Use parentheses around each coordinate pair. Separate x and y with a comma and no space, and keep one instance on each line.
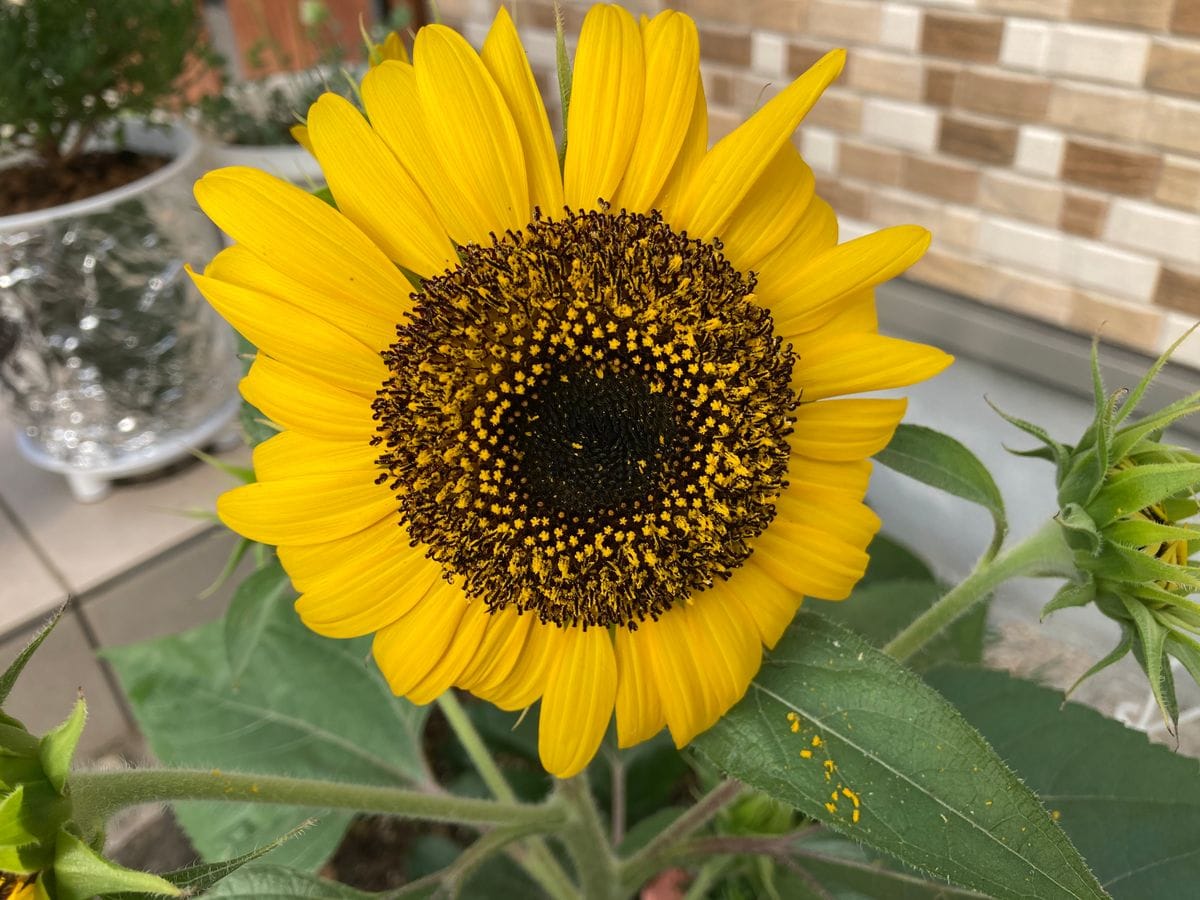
(573,433)
(1125,500)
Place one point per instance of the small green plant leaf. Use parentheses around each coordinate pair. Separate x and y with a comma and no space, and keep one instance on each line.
(58,746)
(1075,519)
(940,461)
(1142,486)
(1131,807)
(80,873)
(252,608)
(851,738)
(845,870)
(1071,594)
(267,882)
(13,672)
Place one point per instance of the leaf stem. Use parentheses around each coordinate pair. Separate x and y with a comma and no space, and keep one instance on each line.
(538,861)
(584,836)
(97,795)
(1045,552)
(646,862)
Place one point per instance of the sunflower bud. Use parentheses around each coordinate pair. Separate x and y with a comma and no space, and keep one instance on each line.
(44,854)
(1125,498)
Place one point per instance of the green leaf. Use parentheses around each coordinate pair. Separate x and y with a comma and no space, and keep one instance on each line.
(58,746)
(1135,489)
(880,610)
(13,672)
(266,882)
(255,603)
(305,705)
(892,561)
(845,870)
(1131,807)
(80,873)
(940,461)
(930,791)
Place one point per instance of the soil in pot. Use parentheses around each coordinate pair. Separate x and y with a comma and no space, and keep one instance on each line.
(33,186)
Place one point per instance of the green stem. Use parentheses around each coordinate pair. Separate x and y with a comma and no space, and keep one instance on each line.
(537,859)
(97,795)
(588,844)
(1045,552)
(646,862)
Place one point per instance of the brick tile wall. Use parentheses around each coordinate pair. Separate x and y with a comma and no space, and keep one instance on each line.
(1052,146)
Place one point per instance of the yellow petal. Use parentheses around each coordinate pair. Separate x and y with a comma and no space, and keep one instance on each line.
(578,702)
(374,191)
(639,709)
(376,328)
(606,106)
(734,165)
(842,430)
(810,560)
(291,453)
(299,134)
(498,652)
(308,509)
(506,61)
(854,363)
(527,680)
(726,639)
(672,59)
(815,289)
(307,404)
(408,649)
(393,104)
(296,337)
(819,505)
(854,313)
(297,233)
(770,604)
(769,212)
(471,130)
(695,145)
(688,709)
(848,477)
(458,654)
(393,48)
(814,233)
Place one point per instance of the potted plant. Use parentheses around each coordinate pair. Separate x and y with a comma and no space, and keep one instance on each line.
(113,364)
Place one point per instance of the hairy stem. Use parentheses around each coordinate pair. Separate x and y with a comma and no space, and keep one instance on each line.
(588,844)
(1044,552)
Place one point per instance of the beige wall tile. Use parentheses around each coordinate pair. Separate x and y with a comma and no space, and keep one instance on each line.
(728,46)
(1102,267)
(1023,198)
(820,149)
(1084,213)
(898,124)
(1179,183)
(968,37)
(1100,54)
(1174,66)
(1186,18)
(900,27)
(1131,324)
(1025,293)
(838,109)
(1019,244)
(941,81)
(1152,14)
(993,92)
(1025,45)
(856,21)
(1040,151)
(889,74)
(978,139)
(781,15)
(870,163)
(1156,230)
(769,54)
(1110,168)
(802,55)
(1179,289)
(1098,109)
(942,178)
(1174,123)
(846,199)
(721,122)
(898,207)
(1045,9)
(954,273)
(960,228)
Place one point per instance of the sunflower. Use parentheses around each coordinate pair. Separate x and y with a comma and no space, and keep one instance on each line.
(550,432)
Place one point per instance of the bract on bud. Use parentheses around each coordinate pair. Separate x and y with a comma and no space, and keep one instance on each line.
(1125,499)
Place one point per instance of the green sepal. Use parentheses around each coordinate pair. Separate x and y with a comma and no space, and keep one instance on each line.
(13,672)
(1075,520)
(326,195)
(16,741)
(1071,594)
(1133,567)
(1083,478)
(80,873)
(16,770)
(31,813)
(1058,453)
(243,474)
(1142,486)
(1115,655)
(240,549)
(562,63)
(1150,651)
(758,813)
(58,746)
(1135,396)
(1142,532)
(14,828)
(1155,594)
(27,859)
(1127,439)
(1187,651)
